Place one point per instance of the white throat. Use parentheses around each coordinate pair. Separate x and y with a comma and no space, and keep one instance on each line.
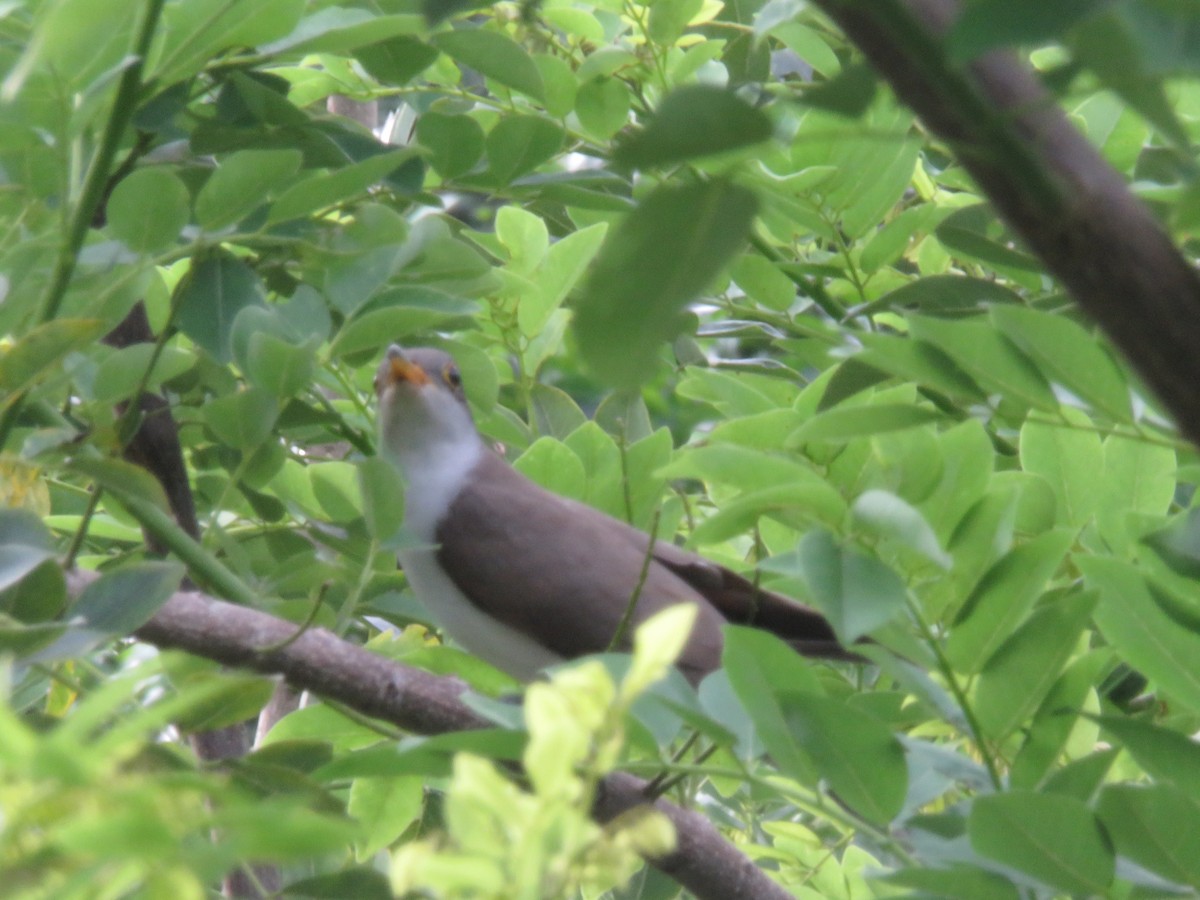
(435,449)
(433,481)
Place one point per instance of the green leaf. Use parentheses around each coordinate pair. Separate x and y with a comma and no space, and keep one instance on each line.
(890,517)
(78,40)
(849,93)
(396,315)
(338,29)
(396,61)
(324,189)
(1107,44)
(989,24)
(893,239)
(198,31)
(279,366)
(968,457)
(602,105)
(553,465)
(1055,719)
(848,423)
(559,82)
(1051,837)
(669,18)
(1068,355)
(656,261)
(216,289)
(148,209)
(921,362)
(123,479)
(988,357)
(24,545)
(974,232)
(944,294)
(242,182)
(1081,778)
(361,883)
(764,282)
(385,807)
(1178,544)
(124,599)
(1155,827)
(456,142)
(335,484)
(858,755)
(562,267)
(1071,458)
(958,881)
(120,374)
(747,468)
(42,348)
(694,120)
(1139,478)
(554,412)
(760,666)
(38,597)
(856,592)
(524,236)
(798,503)
(1025,667)
(243,420)
(518,144)
(1144,634)
(495,55)
(1003,597)
(1167,756)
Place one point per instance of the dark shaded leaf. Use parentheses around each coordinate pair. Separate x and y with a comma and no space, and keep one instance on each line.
(854,751)
(121,600)
(651,265)
(849,93)
(518,144)
(217,288)
(395,61)
(456,142)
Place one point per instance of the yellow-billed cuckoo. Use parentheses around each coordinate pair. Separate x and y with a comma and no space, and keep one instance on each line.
(526,579)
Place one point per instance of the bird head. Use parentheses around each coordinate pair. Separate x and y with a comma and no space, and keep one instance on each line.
(422,407)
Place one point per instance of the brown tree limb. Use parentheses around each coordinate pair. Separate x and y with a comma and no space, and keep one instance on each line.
(704,862)
(1051,186)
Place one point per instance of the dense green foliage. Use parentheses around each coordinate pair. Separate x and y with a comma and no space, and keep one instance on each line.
(700,271)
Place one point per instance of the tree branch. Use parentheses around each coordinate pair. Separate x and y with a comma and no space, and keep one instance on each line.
(318,661)
(1050,185)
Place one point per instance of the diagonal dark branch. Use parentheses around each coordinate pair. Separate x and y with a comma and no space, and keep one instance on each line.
(318,661)
(155,446)
(1050,184)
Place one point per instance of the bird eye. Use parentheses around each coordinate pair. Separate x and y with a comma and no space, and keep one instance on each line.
(453,378)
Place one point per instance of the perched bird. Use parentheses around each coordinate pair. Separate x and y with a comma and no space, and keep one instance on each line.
(526,579)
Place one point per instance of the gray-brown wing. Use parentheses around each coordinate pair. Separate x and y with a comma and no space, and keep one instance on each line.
(561,572)
(741,601)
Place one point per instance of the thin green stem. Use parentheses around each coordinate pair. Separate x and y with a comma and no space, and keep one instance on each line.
(631,607)
(96,180)
(960,696)
(350,604)
(204,567)
(80,535)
